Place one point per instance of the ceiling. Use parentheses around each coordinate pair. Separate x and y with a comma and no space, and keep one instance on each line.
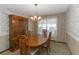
(42,9)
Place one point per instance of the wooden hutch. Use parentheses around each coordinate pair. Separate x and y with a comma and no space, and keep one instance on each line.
(17,26)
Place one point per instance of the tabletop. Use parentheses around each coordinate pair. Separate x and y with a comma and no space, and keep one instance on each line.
(38,40)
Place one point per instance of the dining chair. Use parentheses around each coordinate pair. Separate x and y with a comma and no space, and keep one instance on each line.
(49,42)
(14,42)
(47,45)
(45,32)
(25,49)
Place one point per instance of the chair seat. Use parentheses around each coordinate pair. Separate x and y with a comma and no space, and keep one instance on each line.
(33,51)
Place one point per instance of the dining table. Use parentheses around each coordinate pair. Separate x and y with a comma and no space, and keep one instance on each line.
(37,40)
(33,41)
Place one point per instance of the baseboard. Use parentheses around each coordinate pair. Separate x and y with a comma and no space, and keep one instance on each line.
(58,41)
(4,51)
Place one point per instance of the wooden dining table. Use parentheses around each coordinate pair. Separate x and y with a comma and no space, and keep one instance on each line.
(37,40)
(33,41)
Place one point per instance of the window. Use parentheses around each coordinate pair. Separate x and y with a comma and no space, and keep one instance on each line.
(50,23)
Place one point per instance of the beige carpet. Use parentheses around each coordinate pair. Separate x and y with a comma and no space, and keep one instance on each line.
(56,49)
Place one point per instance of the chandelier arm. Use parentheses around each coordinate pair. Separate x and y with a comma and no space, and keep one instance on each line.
(36,17)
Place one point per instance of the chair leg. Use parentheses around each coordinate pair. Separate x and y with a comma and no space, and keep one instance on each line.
(40,49)
(47,51)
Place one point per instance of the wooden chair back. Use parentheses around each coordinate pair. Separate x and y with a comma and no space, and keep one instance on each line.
(45,32)
(23,42)
(49,39)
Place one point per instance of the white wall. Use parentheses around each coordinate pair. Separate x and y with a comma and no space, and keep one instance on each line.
(4,29)
(61,27)
(72,28)
(4,22)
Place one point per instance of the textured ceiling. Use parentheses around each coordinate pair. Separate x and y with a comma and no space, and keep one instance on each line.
(42,9)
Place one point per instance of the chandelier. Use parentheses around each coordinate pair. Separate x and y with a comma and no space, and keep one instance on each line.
(36,18)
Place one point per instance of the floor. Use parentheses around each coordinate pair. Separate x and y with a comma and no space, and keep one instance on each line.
(56,49)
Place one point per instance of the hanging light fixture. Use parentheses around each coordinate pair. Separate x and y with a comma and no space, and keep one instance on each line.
(36,18)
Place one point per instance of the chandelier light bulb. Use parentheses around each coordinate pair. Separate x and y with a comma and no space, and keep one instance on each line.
(31,17)
(39,17)
(35,17)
